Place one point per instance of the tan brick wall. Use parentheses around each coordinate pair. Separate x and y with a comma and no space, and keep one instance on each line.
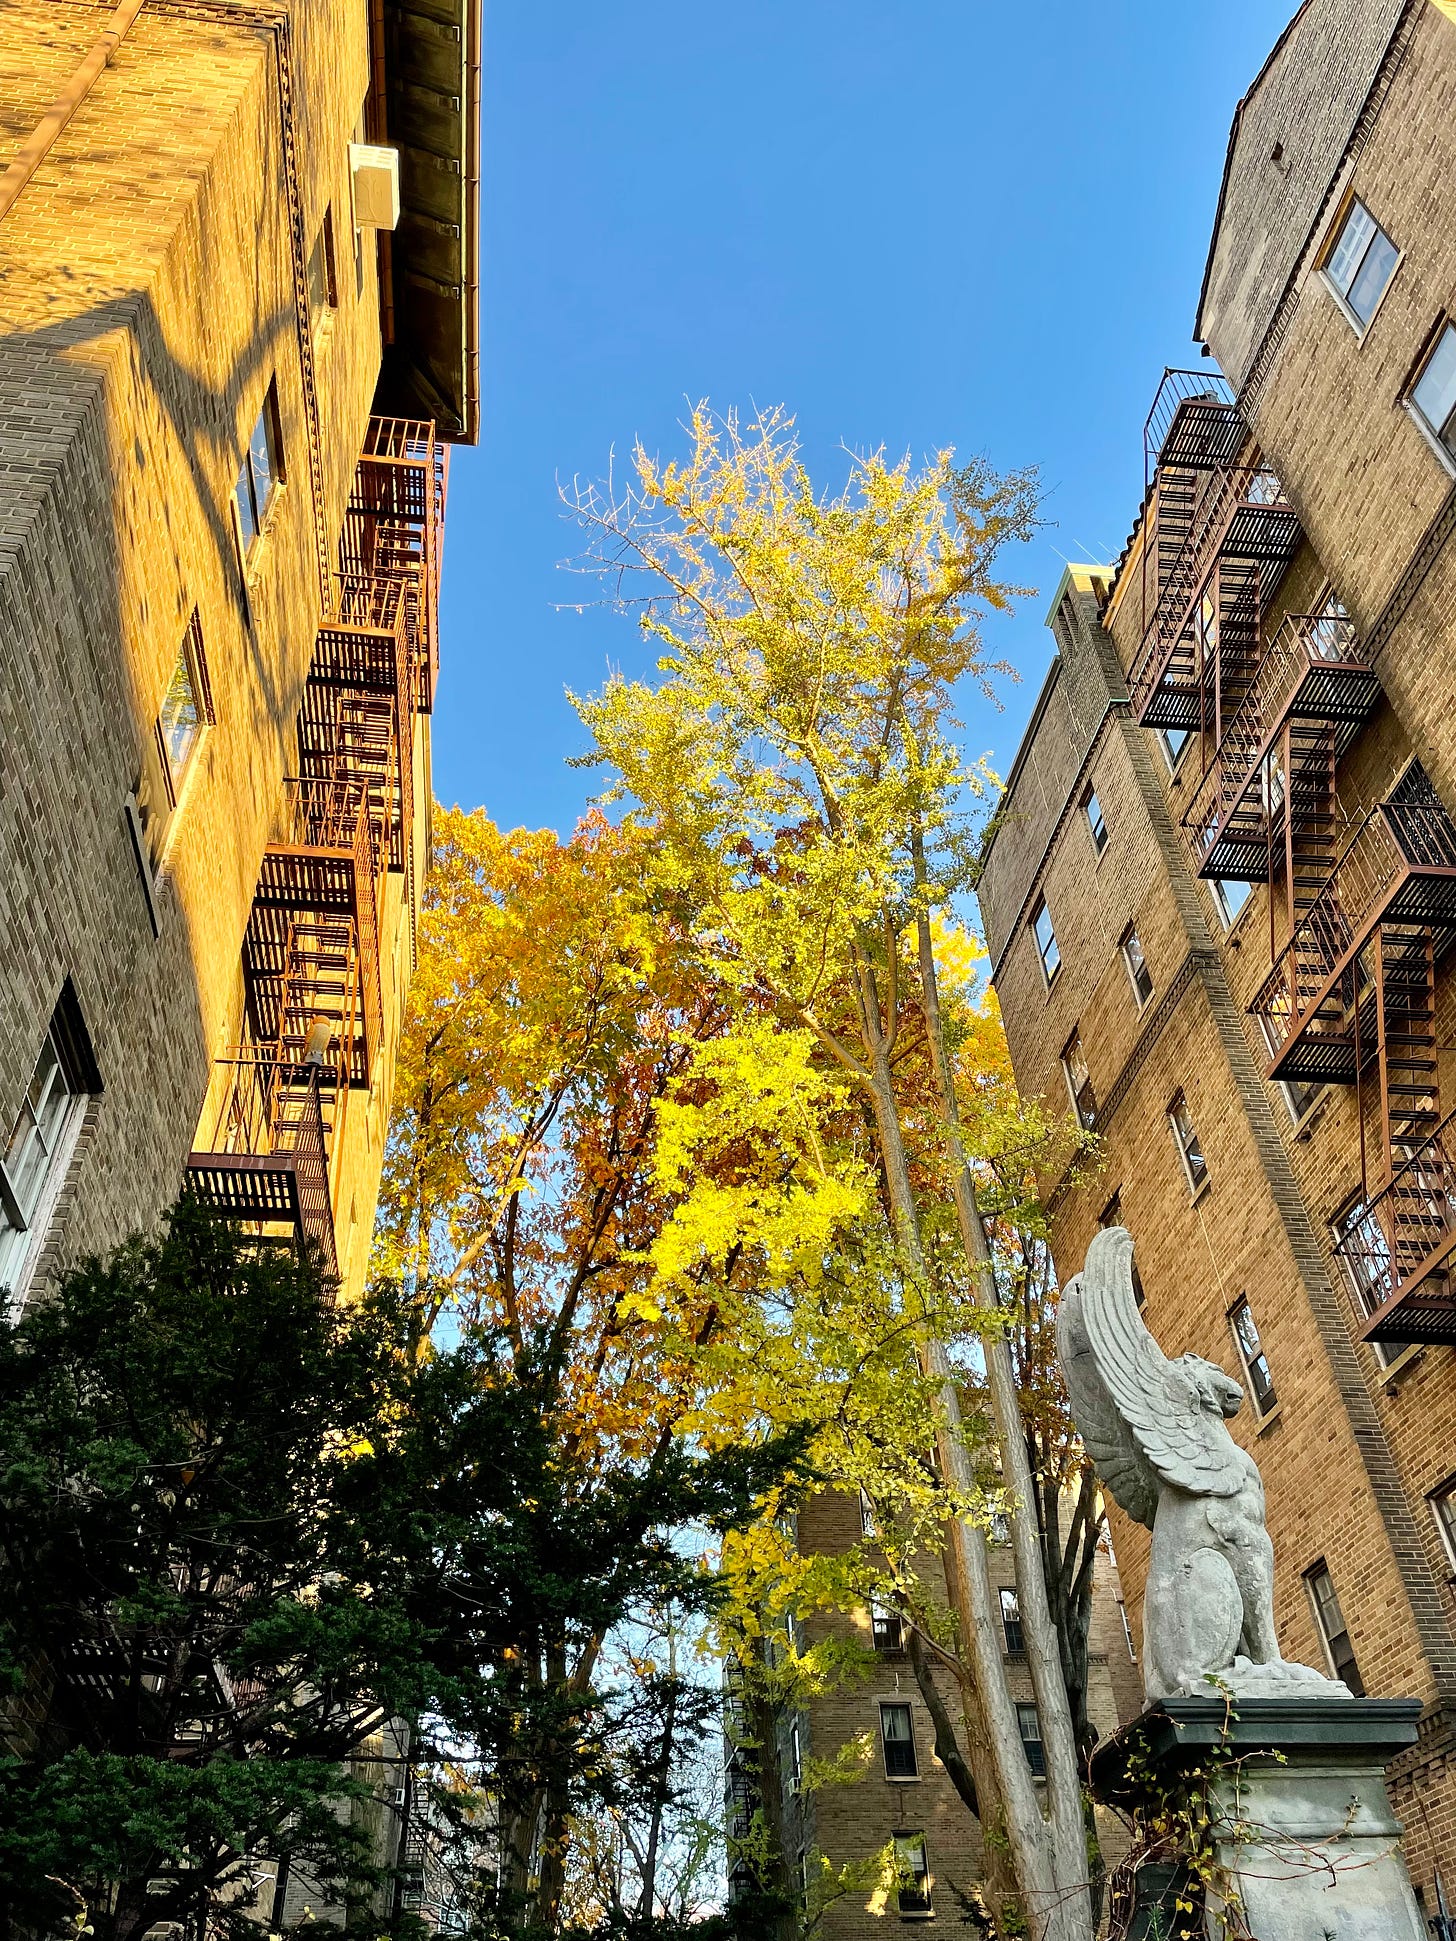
(147,294)
(849,1823)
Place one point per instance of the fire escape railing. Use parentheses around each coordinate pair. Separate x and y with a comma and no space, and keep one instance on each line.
(1242,515)
(1315,670)
(1398,868)
(1400,1252)
(312,953)
(263,1158)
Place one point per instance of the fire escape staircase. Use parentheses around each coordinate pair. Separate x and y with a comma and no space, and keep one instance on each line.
(1351,1001)
(1305,699)
(1242,534)
(314,1018)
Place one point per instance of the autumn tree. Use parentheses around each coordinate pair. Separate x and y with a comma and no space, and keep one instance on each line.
(797,764)
(556,1005)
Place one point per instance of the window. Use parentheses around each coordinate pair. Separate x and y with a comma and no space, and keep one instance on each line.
(1079,1084)
(897,1735)
(1433,395)
(1332,1629)
(887,1628)
(42,1137)
(1251,1354)
(1137,966)
(1096,821)
(1360,263)
(1111,1216)
(1299,1093)
(1443,1509)
(1174,743)
(261,472)
(1230,898)
(186,709)
(913,1873)
(1011,1624)
(323,282)
(1205,623)
(1046,941)
(1029,1723)
(1361,1244)
(866,1515)
(1185,1138)
(999,1530)
(796,1758)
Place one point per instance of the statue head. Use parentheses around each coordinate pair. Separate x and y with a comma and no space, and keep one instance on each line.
(1217,1392)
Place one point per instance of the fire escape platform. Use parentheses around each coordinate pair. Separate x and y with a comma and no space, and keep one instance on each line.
(1244,516)
(1399,869)
(1406,1244)
(270,1165)
(1314,672)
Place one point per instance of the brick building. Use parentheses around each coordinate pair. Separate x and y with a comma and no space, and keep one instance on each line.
(238,293)
(238,299)
(1220,896)
(902,1793)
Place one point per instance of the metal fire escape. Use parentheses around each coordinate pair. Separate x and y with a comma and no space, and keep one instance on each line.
(1350,999)
(1220,534)
(313,1015)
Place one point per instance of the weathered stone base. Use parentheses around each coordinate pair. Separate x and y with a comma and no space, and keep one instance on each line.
(1305,1844)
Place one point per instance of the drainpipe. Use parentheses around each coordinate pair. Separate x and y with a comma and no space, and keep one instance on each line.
(44,136)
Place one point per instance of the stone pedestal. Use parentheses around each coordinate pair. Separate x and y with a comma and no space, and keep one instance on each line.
(1304,1839)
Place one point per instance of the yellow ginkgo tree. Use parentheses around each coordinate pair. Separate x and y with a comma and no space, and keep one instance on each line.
(808,804)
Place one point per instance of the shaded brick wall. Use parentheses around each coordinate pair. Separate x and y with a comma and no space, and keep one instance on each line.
(148,292)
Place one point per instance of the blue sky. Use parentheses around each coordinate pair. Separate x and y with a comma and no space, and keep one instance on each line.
(920,224)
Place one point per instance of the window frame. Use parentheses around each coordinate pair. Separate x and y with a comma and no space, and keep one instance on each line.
(1264,1405)
(323,305)
(28,1205)
(796,1760)
(1032,1744)
(922,1906)
(1442,1500)
(886,1620)
(1083,1097)
(1186,1139)
(1444,330)
(1011,1627)
(1140,998)
(1096,827)
(1218,889)
(191,662)
(1049,974)
(253,528)
(888,1705)
(1335,237)
(1174,761)
(1319,1610)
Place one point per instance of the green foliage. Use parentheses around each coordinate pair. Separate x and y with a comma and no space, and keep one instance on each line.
(241,1526)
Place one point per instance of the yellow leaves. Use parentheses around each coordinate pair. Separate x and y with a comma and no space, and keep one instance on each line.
(739,1142)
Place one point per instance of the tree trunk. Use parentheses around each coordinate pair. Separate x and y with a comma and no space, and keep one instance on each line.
(1050,1855)
(1045,1859)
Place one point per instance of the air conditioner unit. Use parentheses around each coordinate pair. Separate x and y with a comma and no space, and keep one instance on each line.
(374,173)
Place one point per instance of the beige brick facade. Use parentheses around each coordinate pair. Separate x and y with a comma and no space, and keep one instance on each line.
(1360,1438)
(846,1823)
(155,290)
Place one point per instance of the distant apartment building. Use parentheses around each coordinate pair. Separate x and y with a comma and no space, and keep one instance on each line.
(1220,895)
(902,1801)
(238,269)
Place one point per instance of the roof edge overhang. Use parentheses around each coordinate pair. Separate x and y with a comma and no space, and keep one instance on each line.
(431,88)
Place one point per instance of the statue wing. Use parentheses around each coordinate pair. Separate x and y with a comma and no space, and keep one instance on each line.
(1120,1464)
(1154,1397)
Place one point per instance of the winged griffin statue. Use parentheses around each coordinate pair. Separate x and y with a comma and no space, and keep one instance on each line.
(1156,1431)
